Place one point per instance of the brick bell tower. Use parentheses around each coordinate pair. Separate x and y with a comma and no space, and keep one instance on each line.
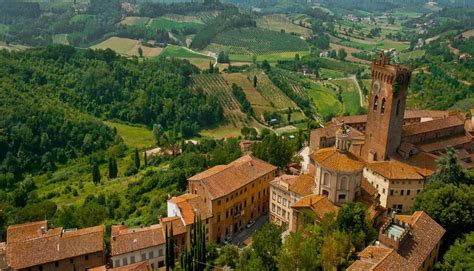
(386,109)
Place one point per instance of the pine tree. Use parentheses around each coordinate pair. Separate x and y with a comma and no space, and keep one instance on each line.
(113,170)
(145,160)
(95,173)
(137,159)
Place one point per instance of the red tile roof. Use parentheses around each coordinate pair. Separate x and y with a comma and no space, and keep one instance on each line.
(140,266)
(176,222)
(452,120)
(224,179)
(395,170)
(441,143)
(302,185)
(189,204)
(425,235)
(33,244)
(334,160)
(320,205)
(126,240)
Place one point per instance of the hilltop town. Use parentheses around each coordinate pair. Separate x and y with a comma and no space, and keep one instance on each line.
(140,135)
(373,165)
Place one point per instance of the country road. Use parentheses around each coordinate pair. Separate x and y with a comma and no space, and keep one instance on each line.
(210,54)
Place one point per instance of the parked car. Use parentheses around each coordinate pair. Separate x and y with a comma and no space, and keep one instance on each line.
(227,240)
(250,224)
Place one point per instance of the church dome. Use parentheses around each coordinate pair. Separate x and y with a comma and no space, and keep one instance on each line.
(337,161)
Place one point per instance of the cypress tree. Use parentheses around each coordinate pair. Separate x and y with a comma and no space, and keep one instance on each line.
(113,170)
(145,160)
(171,248)
(137,159)
(95,173)
(167,249)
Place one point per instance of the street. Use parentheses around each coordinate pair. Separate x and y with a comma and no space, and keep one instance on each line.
(239,238)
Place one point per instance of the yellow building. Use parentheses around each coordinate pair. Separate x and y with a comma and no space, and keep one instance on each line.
(236,194)
(406,242)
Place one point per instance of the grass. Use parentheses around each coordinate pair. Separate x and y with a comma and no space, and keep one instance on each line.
(134,136)
(328,73)
(168,25)
(127,47)
(404,57)
(60,39)
(271,57)
(371,46)
(324,99)
(350,96)
(181,52)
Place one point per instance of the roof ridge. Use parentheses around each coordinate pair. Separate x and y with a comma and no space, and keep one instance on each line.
(384,257)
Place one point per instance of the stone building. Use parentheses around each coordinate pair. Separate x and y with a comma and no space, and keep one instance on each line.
(235,194)
(405,242)
(398,147)
(284,191)
(35,247)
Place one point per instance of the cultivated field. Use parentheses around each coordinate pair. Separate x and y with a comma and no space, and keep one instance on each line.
(183,18)
(277,22)
(324,99)
(127,47)
(60,39)
(349,51)
(12,47)
(167,24)
(135,20)
(350,96)
(181,52)
(259,104)
(275,97)
(256,41)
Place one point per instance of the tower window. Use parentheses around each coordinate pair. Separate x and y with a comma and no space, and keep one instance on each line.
(398,108)
(382,110)
(376,102)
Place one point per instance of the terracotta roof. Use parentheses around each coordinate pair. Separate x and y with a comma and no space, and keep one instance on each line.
(140,266)
(368,188)
(409,114)
(334,160)
(453,120)
(37,247)
(441,143)
(424,163)
(188,204)
(127,240)
(224,179)
(425,235)
(303,185)
(395,170)
(320,205)
(176,222)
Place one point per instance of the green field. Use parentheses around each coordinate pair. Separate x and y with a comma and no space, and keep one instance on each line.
(277,22)
(384,44)
(324,99)
(60,39)
(275,97)
(4,28)
(328,73)
(134,136)
(350,96)
(168,25)
(180,52)
(256,41)
(272,57)
(404,57)
(135,20)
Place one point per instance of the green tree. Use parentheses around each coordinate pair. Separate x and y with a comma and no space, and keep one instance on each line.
(228,256)
(266,66)
(267,244)
(275,150)
(140,52)
(113,169)
(460,256)
(91,214)
(336,251)
(342,54)
(254,81)
(95,173)
(136,159)
(450,170)
(450,205)
(352,218)
(169,248)
(301,251)
(145,159)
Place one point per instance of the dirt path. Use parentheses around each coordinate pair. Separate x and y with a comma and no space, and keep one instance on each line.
(209,54)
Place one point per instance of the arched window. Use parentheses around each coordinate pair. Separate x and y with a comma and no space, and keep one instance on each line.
(376,102)
(326,177)
(344,183)
(398,108)
(382,110)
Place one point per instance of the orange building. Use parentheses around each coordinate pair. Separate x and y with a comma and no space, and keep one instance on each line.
(34,247)
(236,194)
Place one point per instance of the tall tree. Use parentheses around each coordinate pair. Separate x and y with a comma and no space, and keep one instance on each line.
(113,170)
(275,150)
(450,169)
(95,173)
(140,52)
(145,159)
(169,249)
(254,81)
(342,54)
(267,244)
(460,255)
(137,159)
